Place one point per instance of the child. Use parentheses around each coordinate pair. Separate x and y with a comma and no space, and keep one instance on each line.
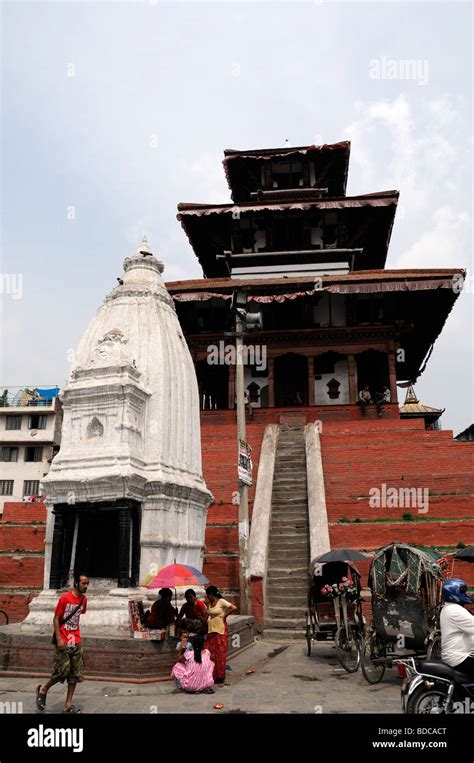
(184,644)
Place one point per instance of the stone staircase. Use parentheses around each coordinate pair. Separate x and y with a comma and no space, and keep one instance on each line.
(288,554)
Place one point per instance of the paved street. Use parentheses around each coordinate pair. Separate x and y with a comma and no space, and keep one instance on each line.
(285,681)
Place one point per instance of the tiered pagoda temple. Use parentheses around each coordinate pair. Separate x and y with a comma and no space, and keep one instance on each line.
(311,260)
(328,319)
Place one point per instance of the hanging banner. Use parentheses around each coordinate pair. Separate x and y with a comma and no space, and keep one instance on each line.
(245,463)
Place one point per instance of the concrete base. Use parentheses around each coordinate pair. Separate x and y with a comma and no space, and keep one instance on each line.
(106,657)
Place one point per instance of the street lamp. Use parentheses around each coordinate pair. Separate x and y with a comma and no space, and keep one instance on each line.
(239,306)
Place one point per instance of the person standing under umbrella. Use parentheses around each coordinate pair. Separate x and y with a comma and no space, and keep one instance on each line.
(218,610)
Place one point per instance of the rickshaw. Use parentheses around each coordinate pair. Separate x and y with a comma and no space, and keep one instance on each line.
(406,600)
(335,610)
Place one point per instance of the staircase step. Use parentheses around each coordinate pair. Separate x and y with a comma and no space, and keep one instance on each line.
(289,496)
(287,543)
(288,550)
(275,634)
(279,571)
(296,579)
(285,623)
(290,481)
(275,612)
(280,598)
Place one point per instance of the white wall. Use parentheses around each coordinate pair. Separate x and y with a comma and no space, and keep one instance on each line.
(321,389)
(19,471)
(23,470)
(261,381)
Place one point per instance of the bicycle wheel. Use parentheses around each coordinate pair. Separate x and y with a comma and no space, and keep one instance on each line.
(347,648)
(372,658)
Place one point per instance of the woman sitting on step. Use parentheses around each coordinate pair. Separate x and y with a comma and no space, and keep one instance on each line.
(194,668)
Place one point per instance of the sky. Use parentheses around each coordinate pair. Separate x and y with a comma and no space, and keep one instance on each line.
(114,112)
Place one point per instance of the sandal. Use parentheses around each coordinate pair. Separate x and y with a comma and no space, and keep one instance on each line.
(72,709)
(40,698)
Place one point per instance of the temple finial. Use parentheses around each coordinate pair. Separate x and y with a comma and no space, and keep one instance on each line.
(144,248)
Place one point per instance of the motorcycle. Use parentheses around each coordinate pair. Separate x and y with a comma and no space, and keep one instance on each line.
(435,688)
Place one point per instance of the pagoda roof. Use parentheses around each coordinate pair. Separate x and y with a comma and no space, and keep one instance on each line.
(207,226)
(396,280)
(427,298)
(236,163)
(413,408)
(268,153)
(467,434)
(377,199)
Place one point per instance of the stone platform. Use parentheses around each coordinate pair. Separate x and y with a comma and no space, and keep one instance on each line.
(107,657)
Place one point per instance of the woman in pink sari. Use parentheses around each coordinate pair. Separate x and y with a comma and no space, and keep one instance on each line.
(194,668)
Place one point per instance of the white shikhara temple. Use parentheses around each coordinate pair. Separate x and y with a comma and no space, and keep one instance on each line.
(126,491)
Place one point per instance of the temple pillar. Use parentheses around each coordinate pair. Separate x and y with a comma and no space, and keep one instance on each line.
(125,524)
(392,375)
(311,395)
(271,383)
(351,372)
(57,552)
(136,522)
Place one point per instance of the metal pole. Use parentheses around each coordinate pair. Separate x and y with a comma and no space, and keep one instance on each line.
(243,489)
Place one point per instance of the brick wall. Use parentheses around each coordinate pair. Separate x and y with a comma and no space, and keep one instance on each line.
(357,455)
(219,462)
(22,532)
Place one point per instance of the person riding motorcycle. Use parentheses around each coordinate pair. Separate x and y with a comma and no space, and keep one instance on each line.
(457,627)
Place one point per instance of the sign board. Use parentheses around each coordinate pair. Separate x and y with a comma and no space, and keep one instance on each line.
(245,463)
(137,622)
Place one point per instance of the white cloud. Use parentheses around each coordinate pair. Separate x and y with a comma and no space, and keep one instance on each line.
(443,245)
(419,157)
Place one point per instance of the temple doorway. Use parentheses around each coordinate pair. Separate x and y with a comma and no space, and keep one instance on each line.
(99,540)
(372,370)
(213,383)
(291,380)
(98,544)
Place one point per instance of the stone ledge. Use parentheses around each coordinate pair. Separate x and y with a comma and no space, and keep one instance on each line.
(107,657)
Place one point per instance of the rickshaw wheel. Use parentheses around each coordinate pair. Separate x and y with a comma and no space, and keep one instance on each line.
(372,649)
(347,649)
(434,649)
(308,638)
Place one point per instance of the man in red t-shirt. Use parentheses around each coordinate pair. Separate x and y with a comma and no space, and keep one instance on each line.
(68,657)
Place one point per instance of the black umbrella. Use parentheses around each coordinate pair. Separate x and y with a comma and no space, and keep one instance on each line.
(467,554)
(341,555)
